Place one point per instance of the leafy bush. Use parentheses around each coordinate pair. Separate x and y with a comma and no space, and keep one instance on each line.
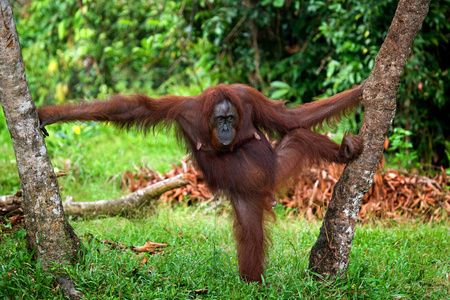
(404,155)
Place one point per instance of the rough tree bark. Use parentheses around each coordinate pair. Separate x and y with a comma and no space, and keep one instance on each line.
(49,236)
(329,255)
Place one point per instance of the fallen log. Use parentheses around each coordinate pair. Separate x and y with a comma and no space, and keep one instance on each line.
(10,204)
(133,200)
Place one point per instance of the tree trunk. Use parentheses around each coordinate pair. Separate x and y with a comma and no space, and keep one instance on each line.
(49,237)
(329,255)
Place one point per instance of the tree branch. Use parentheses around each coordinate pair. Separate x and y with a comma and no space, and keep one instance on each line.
(133,200)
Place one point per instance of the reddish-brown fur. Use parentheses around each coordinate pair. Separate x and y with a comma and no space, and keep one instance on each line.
(251,169)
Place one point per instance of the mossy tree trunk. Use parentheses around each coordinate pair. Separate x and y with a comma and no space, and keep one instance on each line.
(329,255)
(49,236)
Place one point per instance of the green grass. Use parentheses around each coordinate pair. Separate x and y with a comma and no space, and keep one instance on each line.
(390,261)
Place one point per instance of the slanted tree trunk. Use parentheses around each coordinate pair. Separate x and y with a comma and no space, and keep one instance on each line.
(49,236)
(329,255)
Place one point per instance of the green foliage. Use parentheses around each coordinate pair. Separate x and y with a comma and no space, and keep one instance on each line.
(76,49)
(409,261)
(295,50)
(9,177)
(321,47)
(282,90)
(404,153)
(447,149)
(90,49)
(424,103)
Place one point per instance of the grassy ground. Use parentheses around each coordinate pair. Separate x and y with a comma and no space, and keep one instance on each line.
(387,261)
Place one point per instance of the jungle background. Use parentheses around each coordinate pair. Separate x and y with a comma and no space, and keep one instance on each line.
(293,50)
